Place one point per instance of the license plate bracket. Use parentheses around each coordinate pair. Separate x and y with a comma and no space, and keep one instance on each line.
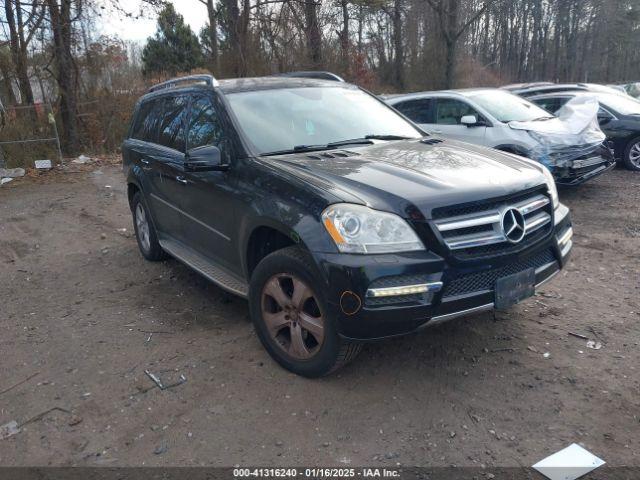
(512,289)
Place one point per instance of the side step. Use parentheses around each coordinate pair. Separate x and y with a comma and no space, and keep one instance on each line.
(205,267)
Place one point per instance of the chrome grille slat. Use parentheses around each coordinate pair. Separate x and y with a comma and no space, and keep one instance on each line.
(537,222)
(467,221)
(475,240)
(483,228)
(532,205)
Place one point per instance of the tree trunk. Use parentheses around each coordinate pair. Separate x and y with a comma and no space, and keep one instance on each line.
(233,20)
(398,46)
(344,35)
(65,72)
(313,34)
(213,35)
(18,49)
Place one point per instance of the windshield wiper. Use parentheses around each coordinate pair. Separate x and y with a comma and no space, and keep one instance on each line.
(366,140)
(317,148)
(386,137)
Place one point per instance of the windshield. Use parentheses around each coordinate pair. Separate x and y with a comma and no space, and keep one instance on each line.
(506,107)
(282,119)
(621,104)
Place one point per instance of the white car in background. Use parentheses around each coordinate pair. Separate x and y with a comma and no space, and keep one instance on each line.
(496,118)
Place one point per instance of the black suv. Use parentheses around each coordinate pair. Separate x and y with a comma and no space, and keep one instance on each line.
(339,219)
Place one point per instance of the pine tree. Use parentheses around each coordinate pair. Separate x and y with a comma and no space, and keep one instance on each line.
(174,48)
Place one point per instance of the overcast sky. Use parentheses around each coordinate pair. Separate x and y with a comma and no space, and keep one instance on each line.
(194,13)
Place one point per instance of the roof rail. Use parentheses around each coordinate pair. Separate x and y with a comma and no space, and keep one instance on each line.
(174,82)
(319,75)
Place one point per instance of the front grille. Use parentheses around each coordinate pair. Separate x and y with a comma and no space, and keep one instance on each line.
(476,229)
(466,283)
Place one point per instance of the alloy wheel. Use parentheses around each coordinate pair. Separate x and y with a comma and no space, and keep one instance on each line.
(634,155)
(292,316)
(142,226)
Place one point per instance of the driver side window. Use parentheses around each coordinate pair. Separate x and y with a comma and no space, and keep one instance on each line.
(450,111)
(204,125)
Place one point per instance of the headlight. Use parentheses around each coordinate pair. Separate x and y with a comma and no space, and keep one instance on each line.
(551,185)
(359,229)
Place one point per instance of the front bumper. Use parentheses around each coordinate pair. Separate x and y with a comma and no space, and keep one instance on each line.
(453,290)
(584,169)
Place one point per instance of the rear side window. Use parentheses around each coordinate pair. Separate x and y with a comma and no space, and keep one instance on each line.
(172,122)
(450,111)
(204,127)
(144,127)
(420,111)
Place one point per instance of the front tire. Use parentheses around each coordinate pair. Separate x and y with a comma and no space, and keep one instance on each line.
(291,315)
(632,155)
(145,231)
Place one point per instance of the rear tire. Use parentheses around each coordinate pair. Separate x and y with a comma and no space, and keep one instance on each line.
(145,231)
(631,156)
(291,315)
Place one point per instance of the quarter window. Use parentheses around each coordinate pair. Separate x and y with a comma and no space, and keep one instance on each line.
(146,121)
(172,123)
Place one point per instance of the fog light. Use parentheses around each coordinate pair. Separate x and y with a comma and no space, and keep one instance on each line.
(566,237)
(404,290)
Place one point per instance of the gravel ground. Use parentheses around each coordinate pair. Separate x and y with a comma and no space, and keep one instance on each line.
(78,305)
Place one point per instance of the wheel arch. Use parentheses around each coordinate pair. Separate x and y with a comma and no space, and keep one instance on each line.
(264,238)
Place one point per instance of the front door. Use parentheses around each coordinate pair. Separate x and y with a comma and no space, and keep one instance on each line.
(448,116)
(209,221)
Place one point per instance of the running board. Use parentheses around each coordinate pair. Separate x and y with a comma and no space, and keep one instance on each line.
(205,267)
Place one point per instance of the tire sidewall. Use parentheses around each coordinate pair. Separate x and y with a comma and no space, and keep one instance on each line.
(284,262)
(627,155)
(155,251)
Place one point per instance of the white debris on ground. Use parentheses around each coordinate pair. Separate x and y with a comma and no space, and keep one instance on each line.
(81,160)
(570,463)
(9,429)
(8,174)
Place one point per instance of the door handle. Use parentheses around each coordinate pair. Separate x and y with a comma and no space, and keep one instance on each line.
(437,132)
(182,180)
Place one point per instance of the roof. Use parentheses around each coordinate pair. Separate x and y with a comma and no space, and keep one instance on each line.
(463,92)
(234,85)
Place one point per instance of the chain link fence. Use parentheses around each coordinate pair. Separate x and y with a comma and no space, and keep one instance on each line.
(29,133)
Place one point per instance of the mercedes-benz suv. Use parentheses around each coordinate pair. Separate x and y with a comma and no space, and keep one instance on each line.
(339,219)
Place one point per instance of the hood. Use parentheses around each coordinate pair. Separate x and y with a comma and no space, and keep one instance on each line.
(398,176)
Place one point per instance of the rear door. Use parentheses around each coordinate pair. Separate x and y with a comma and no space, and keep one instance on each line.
(168,165)
(209,221)
(448,115)
(420,111)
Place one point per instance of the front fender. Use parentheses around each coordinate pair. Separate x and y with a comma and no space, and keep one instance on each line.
(285,203)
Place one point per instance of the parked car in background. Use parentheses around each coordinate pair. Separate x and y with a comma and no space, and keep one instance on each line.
(632,89)
(619,119)
(483,117)
(528,90)
(333,214)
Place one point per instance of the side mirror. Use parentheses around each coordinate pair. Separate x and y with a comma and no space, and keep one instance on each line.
(204,159)
(469,120)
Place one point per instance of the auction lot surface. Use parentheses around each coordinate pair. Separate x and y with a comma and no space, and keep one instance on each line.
(78,303)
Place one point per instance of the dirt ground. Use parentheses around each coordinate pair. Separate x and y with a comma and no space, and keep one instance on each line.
(78,303)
